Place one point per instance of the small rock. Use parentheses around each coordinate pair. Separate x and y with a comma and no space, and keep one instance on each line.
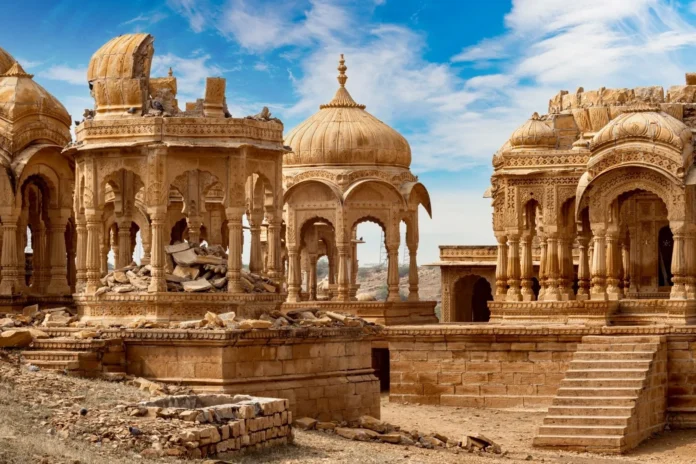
(305,423)
(15,338)
(357,434)
(369,422)
(83,412)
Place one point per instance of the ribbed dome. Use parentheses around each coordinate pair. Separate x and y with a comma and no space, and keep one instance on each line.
(534,134)
(6,61)
(28,112)
(343,133)
(644,122)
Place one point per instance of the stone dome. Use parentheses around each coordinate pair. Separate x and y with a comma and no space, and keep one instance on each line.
(644,122)
(29,112)
(534,134)
(343,133)
(6,61)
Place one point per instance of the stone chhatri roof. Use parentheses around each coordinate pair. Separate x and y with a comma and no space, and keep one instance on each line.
(535,134)
(6,61)
(342,133)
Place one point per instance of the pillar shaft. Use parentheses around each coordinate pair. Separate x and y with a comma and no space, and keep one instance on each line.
(678,266)
(255,256)
(598,291)
(94,226)
(413,273)
(294,275)
(513,268)
(58,285)
(125,256)
(312,281)
(527,269)
(393,273)
(234,265)
(583,269)
(158,282)
(543,245)
(552,292)
(8,258)
(343,278)
(613,262)
(81,258)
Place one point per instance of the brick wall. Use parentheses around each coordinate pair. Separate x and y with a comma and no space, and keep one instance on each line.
(681,380)
(473,369)
(328,377)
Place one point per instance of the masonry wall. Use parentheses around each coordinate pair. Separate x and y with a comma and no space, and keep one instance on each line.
(328,378)
(681,379)
(478,368)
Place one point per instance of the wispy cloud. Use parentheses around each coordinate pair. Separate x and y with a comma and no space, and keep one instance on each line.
(75,76)
(195,12)
(146,18)
(190,73)
(28,64)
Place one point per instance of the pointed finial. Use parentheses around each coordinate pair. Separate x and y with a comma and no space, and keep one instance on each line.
(342,78)
(171,73)
(16,70)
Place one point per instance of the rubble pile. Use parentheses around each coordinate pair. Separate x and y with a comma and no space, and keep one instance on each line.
(195,268)
(367,428)
(20,330)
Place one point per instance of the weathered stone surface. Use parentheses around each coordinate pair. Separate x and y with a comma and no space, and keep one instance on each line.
(369,422)
(254,324)
(200,285)
(15,338)
(305,423)
(356,434)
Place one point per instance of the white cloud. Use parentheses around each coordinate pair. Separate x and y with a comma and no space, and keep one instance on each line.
(190,73)
(261,66)
(28,64)
(75,76)
(150,18)
(194,11)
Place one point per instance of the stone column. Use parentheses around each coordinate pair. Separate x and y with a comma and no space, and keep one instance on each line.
(678,264)
(294,275)
(413,273)
(124,256)
(312,281)
(583,269)
(527,268)
(598,291)
(393,272)
(255,258)
(8,258)
(234,264)
(39,261)
(94,227)
(343,278)
(113,243)
(273,253)
(81,258)
(612,270)
(553,292)
(625,267)
(513,268)
(542,266)
(146,237)
(565,261)
(690,264)
(194,224)
(501,269)
(158,217)
(58,285)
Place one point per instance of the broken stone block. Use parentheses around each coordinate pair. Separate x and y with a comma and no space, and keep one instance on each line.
(305,423)
(37,334)
(120,277)
(56,319)
(15,338)
(85,334)
(393,438)
(186,272)
(219,283)
(254,324)
(197,286)
(325,426)
(6,323)
(137,282)
(30,311)
(480,442)
(174,278)
(191,324)
(213,320)
(101,291)
(430,442)
(369,422)
(210,260)
(124,288)
(356,434)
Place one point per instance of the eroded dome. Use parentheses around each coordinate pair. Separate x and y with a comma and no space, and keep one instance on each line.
(6,61)
(343,133)
(534,134)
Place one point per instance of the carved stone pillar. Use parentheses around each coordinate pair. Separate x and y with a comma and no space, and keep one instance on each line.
(234,265)
(565,262)
(552,292)
(8,258)
(39,259)
(513,267)
(94,227)
(690,264)
(527,268)
(413,272)
(194,224)
(81,258)
(678,264)
(625,267)
(158,217)
(393,272)
(255,257)
(543,245)
(501,269)
(312,282)
(124,256)
(343,278)
(613,261)
(273,253)
(58,285)
(583,269)
(294,275)
(146,238)
(113,243)
(598,291)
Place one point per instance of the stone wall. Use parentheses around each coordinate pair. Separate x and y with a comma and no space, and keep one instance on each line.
(324,373)
(478,366)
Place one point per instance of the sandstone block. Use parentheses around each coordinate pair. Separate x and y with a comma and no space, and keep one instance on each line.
(15,338)
(356,434)
(305,423)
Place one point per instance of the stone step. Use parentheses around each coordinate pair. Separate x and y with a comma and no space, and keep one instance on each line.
(598,392)
(608,364)
(584,430)
(591,411)
(56,365)
(611,340)
(605,373)
(586,420)
(601,383)
(581,443)
(594,401)
(613,355)
(69,344)
(620,347)
(31,356)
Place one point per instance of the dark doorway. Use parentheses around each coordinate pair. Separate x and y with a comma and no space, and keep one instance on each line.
(479,301)
(471,296)
(665,245)
(380,363)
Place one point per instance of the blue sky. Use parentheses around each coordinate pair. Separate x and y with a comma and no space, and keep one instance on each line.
(455,77)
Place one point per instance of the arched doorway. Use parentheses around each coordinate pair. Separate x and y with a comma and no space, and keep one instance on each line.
(471,296)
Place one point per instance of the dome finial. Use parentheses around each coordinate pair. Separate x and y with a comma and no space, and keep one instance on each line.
(171,73)
(16,70)
(342,68)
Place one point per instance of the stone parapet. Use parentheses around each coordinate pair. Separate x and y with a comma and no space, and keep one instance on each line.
(378,312)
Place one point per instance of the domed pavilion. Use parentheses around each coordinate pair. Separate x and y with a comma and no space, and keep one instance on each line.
(347,167)
(36,192)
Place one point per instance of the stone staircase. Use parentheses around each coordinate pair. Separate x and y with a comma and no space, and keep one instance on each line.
(613,396)
(83,358)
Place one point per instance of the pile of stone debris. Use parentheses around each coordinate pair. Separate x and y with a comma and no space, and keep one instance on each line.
(19,330)
(195,269)
(367,428)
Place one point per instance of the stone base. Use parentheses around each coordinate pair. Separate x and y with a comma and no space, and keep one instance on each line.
(379,312)
(172,307)
(15,303)
(587,312)
(655,311)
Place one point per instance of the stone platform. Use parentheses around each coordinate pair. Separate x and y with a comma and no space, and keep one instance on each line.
(15,303)
(379,312)
(172,306)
